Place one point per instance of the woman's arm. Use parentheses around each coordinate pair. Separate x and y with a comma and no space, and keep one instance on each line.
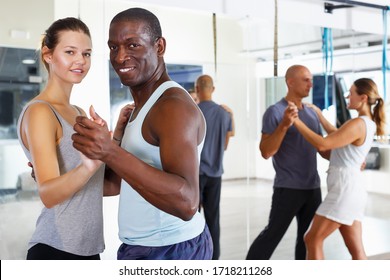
(232,132)
(352,132)
(270,143)
(329,128)
(40,133)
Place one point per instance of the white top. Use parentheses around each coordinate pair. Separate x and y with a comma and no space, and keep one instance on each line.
(141,223)
(353,156)
(346,199)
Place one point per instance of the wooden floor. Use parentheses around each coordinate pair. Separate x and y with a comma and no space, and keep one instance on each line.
(245,206)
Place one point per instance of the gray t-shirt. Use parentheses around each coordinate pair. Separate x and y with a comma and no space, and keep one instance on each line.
(218,122)
(75,225)
(295,163)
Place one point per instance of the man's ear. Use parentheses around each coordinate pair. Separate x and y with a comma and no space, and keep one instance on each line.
(161,44)
(289,82)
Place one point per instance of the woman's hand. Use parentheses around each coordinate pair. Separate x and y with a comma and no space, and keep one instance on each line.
(314,107)
(92,165)
(95,117)
(123,119)
(32,170)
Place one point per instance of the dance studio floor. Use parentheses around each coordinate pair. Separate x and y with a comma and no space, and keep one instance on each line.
(245,206)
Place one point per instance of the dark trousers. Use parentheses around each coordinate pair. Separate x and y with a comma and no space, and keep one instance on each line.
(286,204)
(210,196)
(45,252)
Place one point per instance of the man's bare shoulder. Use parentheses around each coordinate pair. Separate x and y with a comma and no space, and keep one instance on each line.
(175,113)
(177,101)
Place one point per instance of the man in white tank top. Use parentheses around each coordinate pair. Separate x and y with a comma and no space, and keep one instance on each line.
(153,157)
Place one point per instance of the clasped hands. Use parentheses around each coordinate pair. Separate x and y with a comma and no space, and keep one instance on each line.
(92,135)
(93,138)
(290,113)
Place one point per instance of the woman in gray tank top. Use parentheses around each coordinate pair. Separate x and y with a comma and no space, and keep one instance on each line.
(70,185)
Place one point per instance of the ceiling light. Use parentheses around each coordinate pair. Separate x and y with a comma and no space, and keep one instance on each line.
(28,61)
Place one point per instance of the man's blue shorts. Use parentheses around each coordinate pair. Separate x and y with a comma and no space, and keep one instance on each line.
(198,248)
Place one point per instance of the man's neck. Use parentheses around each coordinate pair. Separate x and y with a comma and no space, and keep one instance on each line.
(204,96)
(205,99)
(143,92)
(296,101)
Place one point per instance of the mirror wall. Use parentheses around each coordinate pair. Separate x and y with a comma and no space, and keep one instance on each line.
(19,82)
(244,81)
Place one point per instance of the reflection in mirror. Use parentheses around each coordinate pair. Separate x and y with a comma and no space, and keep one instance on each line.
(377,76)
(355,55)
(185,75)
(300,42)
(19,83)
(120,95)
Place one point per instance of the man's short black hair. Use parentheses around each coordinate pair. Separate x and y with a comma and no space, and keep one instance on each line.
(153,26)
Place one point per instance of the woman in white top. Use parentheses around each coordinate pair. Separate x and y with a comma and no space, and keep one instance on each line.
(343,207)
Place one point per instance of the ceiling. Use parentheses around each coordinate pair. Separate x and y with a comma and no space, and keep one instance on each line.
(295,35)
(245,7)
(307,40)
(294,38)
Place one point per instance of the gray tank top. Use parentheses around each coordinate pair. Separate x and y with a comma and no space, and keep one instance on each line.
(76,225)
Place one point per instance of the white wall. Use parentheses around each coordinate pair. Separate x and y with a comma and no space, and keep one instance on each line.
(22,28)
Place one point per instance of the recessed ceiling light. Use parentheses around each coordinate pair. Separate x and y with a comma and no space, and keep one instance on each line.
(28,61)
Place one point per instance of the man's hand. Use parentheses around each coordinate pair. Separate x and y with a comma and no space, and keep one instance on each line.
(92,136)
(123,119)
(290,114)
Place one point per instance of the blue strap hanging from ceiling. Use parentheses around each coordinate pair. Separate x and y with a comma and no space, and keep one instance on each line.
(385,64)
(327,54)
(215,42)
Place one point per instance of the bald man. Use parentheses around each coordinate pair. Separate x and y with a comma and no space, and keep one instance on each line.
(297,184)
(220,127)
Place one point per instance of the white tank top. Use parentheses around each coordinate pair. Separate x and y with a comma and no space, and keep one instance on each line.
(141,223)
(352,156)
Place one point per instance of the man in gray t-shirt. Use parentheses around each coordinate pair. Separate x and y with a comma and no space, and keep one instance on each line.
(297,191)
(220,127)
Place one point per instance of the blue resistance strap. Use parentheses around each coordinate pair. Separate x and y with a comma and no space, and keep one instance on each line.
(327,53)
(385,64)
